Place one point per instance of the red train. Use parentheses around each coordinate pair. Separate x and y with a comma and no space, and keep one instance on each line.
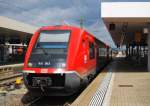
(60,59)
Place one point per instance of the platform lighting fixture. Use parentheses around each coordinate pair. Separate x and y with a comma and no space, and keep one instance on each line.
(145,31)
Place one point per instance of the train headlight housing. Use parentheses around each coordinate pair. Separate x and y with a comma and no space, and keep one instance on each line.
(28,71)
(59,71)
(63,64)
(30,64)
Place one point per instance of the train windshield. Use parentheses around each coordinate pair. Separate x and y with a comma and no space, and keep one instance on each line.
(53,39)
(50,49)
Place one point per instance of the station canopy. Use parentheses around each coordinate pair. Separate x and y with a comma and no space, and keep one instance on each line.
(14,29)
(126,21)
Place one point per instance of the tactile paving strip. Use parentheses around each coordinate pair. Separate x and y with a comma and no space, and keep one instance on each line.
(98,98)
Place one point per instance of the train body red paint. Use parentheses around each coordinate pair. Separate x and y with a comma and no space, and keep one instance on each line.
(60,59)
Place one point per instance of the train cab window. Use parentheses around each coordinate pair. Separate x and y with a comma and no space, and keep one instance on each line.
(50,49)
(53,39)
(92,50)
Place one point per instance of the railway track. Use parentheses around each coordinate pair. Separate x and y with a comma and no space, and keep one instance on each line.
(9,79)
(52,101)
(9,83)
(8,75)
(30,100)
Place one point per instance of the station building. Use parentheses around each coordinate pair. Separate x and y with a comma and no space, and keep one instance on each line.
(14,38)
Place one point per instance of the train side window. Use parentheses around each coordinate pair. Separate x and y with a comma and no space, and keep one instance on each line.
(99,52)
(92,50)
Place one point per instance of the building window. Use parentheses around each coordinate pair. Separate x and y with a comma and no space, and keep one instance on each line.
(92,50)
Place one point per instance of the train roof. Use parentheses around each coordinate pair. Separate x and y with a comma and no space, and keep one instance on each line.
(63,27)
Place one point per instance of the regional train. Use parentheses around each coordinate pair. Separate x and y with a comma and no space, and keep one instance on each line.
(61,59)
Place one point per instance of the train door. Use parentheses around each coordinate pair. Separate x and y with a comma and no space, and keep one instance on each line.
(92,55)
(91,50)
(97,57)
(97,54)
(107,53)
(85,54)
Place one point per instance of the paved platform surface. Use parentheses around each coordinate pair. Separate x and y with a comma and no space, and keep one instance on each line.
(130,85)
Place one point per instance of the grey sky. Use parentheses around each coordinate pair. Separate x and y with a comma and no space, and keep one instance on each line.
(125,0)
(54,12)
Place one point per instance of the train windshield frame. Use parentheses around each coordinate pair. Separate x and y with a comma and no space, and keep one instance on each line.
(50,49)
(53,39)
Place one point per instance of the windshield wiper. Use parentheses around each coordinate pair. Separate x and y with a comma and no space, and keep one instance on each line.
(44,51)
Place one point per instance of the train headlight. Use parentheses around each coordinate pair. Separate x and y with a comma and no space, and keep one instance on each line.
(59,71)
(30,64)
(28,71)
(63,64)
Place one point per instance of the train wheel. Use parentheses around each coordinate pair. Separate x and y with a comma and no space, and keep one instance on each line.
(84,82)
(91,77)
(28,97)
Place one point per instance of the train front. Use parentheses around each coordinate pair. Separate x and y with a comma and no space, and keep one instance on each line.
(45,70)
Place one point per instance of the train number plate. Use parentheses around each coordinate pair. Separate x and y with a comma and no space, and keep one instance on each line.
(44,70)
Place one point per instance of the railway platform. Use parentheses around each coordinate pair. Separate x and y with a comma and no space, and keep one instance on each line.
(122,83)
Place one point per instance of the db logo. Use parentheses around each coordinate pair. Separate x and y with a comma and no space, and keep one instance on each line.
(44,70)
